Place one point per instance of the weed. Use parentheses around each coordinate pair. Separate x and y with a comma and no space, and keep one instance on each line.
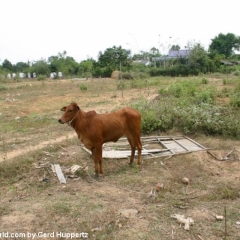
(235,100)
(83,87)
(205,81)
(235,97)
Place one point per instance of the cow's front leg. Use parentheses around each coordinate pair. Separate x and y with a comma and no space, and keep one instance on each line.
(93,150)
(99,154)
(98,160)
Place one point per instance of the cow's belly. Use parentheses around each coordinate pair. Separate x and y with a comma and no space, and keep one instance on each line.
(113,137)
(87,144)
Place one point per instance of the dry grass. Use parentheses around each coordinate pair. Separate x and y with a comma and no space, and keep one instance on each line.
(29,204)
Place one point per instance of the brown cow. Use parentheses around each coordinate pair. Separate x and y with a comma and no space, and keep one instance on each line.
(95,129)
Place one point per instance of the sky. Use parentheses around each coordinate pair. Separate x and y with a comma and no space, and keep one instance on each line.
(31,30)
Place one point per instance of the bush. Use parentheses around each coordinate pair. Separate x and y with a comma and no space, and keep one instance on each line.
(126,76)
(184,108)
(175,71)
(83,87)
(236,73)
(150,119)
(41,77)
(205,81)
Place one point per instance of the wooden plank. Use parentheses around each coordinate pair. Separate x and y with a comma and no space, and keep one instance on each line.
(195,143)
(127,153)
(59,173)
(178,141)
(171,150)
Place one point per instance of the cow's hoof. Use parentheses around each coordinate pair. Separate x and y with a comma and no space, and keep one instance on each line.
(98,177)
(130,164)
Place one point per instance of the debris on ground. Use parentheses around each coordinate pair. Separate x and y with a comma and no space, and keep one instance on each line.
(182,220)
(219,217)
(229,156)
(59,173)
(185,180)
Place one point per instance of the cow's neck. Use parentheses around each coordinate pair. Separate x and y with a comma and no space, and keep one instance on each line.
(79,122)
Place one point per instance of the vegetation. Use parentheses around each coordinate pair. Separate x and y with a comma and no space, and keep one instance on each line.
(225,44)
(199,61)
(192,106)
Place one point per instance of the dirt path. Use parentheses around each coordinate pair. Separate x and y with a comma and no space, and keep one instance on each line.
(41,145)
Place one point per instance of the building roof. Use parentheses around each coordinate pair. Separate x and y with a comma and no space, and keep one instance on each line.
(179,53)
(173,54)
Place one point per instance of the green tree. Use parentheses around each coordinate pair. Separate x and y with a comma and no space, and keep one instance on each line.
(85,68)
(199,60)
(21,67)
(70,66)
(7,65)
(63,63)
(175,47)
(55,63)
(153,52)
(40,67)
(112,57)
(224,44)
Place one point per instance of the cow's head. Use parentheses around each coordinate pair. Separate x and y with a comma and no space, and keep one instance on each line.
(70,113)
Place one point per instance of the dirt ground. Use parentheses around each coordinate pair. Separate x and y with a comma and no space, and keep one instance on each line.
(128,203)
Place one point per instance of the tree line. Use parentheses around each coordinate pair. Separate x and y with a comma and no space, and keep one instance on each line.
(114,58)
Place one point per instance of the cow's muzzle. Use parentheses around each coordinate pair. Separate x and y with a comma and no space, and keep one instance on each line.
(60,121)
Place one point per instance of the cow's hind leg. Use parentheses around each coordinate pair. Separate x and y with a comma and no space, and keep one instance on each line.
(136,143)
(139,147)
(133,148)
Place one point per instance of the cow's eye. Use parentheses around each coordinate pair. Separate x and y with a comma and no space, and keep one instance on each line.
(70,110)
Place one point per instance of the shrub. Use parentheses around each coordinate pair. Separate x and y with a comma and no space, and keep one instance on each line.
(236,73)
(206,96)
(126,75)
(186,109)
(150,119)
(41,77)
(205,81)
(175,71)
(83,87)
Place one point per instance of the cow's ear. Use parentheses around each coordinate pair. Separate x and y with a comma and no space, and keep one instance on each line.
(63,109)
(78,108)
